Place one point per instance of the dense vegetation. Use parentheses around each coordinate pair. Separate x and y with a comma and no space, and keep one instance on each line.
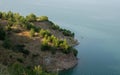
(49,41)
(64,31)
(19,69)
(2,34)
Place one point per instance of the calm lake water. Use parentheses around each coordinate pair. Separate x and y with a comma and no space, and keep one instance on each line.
(96,24)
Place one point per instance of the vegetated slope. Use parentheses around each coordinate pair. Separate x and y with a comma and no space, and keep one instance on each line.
(32,41)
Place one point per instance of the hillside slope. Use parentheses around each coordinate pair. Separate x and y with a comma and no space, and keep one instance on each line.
(33,41)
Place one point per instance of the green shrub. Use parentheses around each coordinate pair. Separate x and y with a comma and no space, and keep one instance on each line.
(31,17)
(42,18)
(45,47)
(65,51)
(51,22)
(2,34)
(26,52)
(16,17)
(38,70)
(28,26)
(53,50)
(4,16)
(44,32)
(55,27)
(7,43)
(68,33)
(8,28)
(18,47)
(10,14)
(64,31)
(75,52)
(32,32)
(20,60)
(37,29)
(16,69)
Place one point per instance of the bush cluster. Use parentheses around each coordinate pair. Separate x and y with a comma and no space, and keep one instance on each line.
(42,18)
(2,34)
(18,69)
(20,48)
(52,43)
(64,31)
(7,43)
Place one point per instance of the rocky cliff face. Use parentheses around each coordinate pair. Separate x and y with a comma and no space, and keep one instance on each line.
(59,62)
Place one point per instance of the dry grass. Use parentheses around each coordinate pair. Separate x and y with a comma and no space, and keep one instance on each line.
(24,33)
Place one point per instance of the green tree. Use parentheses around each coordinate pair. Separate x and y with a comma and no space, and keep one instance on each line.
(42,18)
(52,38)
(16,17)
(56,42)
(75,52)
(43,32)
(32,32)
(64,46)
(49,39)
(28,25)
(31,17)
(4,16)
(55,27)
(22,20)
(44,41)
(8,28)
(45,45)
(10,14)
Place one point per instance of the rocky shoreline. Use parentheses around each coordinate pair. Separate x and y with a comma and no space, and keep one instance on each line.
(60,61)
